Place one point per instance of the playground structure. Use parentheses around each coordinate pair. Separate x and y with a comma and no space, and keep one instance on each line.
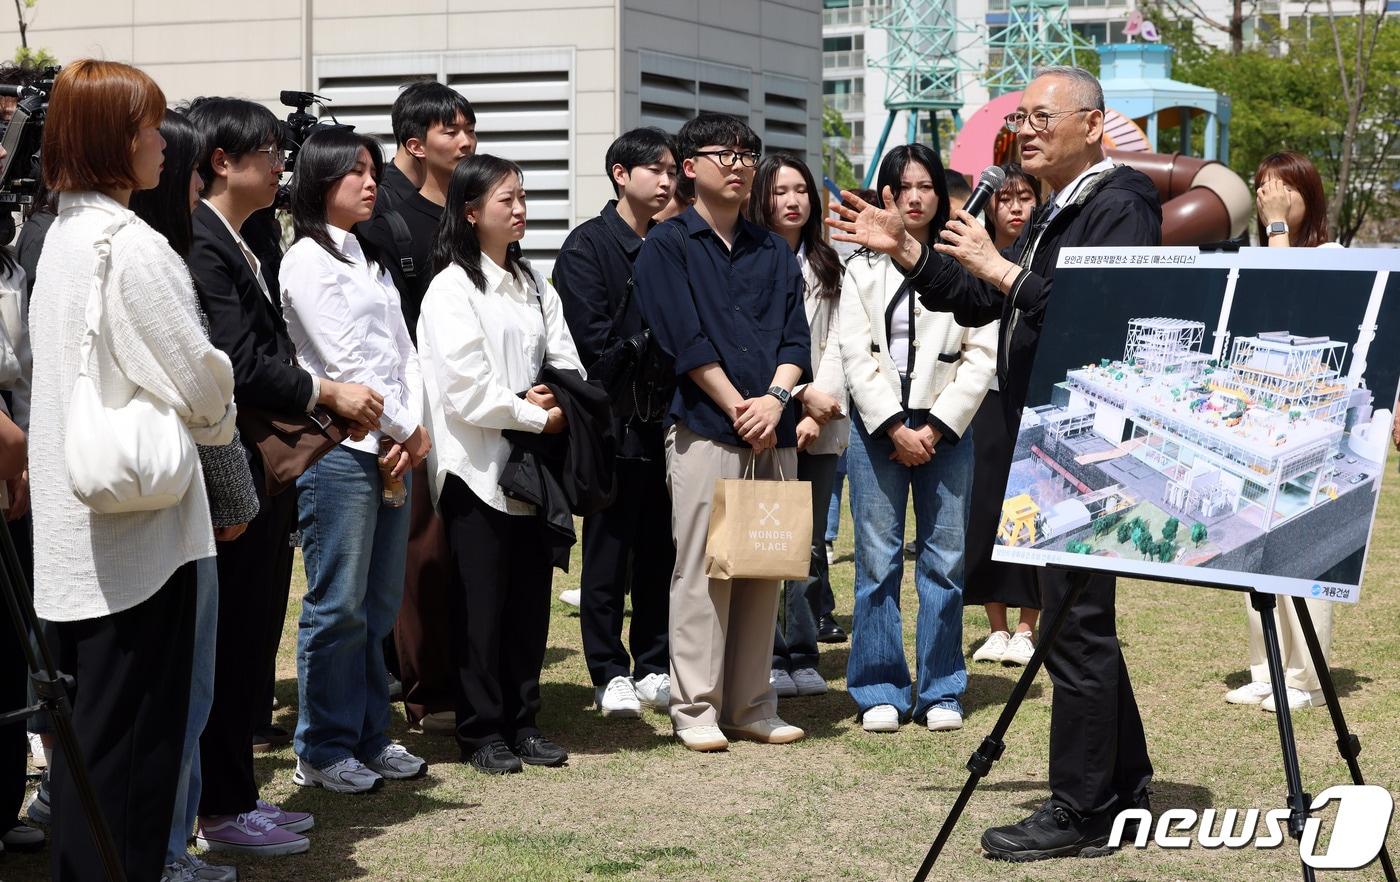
(1018,520)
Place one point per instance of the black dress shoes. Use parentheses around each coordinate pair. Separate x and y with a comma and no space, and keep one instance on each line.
(538,750)
(495,759)
(828,631)
(1053,830)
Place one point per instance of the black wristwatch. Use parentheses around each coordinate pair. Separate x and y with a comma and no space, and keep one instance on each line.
(783,395)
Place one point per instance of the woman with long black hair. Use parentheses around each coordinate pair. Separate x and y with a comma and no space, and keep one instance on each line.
(489,322)
(916,378)
(344,317)
(785,200)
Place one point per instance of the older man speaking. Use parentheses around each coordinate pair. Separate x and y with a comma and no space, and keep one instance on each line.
(1098,753)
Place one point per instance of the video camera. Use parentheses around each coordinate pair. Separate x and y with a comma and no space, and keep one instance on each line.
(299,126)
(20,175)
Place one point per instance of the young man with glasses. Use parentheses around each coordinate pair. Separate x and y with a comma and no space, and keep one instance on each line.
(241,168)
(1098,752)
(723,297)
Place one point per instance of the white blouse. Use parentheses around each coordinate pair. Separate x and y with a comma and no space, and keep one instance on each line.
(89,565)
(348,326)
(480,350)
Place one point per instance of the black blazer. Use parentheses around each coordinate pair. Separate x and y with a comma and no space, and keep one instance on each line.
(249,329)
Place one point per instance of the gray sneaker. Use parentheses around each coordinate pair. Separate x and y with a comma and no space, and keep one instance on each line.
(199,871)
(38,810)
(395,762)
(808,681)
(782,682)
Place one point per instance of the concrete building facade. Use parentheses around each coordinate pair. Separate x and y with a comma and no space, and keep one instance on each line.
(552,81)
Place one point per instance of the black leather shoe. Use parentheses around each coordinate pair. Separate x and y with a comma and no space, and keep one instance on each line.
(495,759)
(538,750)
(267,738)
(1051,831)
(828,631)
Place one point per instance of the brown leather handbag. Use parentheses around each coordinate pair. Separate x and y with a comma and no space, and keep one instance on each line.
(289,445)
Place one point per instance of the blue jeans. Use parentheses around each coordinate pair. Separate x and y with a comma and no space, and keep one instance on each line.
(833,511)
(355,550)
(206,629)
(876,670)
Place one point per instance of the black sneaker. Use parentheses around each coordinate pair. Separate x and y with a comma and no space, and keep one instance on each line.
(538,750)
(828,631)
(267,738)
(495,759)
(1051,831)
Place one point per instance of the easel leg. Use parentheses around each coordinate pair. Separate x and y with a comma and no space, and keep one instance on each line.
(1348,745)
(1298,801)
(990,750)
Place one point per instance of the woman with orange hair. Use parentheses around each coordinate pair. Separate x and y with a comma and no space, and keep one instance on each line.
(1291,213)
(118,583)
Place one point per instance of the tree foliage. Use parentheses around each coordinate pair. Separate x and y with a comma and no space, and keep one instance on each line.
(834,126)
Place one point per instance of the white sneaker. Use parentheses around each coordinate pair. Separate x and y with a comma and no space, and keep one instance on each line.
(942,719)
(830,554)
(618,698)
(176,873)
(808,681)
(344,776)
(993,649)
(654,691)
(201,872)
(397,764)
(781,681)
(1297,700)
(571,596)
(703,738)
(1019,650)
(1249,693)
(880,718)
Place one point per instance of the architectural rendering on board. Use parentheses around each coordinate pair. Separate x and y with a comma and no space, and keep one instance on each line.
(1260,454)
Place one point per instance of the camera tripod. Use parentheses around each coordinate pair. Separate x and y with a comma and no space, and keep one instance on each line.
(51,690)
(1299,802)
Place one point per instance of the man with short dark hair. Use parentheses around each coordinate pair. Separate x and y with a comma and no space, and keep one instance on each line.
(626,547)
(724,298)
(435,128)
(1098,752)
(958,189)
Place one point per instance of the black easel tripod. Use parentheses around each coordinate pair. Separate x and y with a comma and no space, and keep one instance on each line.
(1299,802)
(51,689)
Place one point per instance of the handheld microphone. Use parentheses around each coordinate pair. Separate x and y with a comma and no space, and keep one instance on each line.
(992,180)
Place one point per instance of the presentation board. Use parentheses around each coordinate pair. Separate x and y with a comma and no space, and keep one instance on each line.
(1221,418)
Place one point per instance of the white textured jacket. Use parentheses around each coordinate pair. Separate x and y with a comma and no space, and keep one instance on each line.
(828,374)
(953,365)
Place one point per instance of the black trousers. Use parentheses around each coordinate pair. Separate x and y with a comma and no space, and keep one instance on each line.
(500,617)
(132,672)
(254,570)
(1098,752)
(14,693)
(804,602)
(628,547)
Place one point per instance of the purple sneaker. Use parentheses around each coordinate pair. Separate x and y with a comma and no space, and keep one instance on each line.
(292,822)
(248,833)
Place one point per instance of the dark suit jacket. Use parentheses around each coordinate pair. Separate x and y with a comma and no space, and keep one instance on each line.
(242,322)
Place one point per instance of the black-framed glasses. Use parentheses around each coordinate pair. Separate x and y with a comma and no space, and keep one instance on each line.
(730,158)
(275,154)
(1039,120)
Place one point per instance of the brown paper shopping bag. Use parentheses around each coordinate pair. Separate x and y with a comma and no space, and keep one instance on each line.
(759,529)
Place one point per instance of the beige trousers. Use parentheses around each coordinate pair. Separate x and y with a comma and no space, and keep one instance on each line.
(721,630)
(1298,671)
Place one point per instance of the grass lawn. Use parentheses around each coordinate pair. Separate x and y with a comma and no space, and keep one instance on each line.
(634,805)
